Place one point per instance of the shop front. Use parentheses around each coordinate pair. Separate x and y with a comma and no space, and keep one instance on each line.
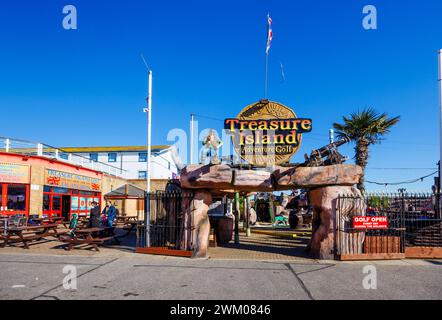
(66,193)
(14,189)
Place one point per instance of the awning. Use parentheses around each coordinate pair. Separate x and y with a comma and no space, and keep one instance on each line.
(127,191)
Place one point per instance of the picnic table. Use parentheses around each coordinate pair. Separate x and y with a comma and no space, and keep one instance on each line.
(91,236)
(26,234)
(126,219)
(129,224)
(59,220)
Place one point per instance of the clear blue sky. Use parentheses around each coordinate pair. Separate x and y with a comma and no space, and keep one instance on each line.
(87,86)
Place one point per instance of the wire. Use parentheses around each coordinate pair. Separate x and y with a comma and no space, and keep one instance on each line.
(402,182)
(210,118)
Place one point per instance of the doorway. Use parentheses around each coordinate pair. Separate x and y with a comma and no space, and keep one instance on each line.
(66,207)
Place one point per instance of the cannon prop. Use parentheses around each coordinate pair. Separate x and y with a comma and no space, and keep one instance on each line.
(327,155)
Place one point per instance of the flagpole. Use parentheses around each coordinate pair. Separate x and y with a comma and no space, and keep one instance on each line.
(267,69)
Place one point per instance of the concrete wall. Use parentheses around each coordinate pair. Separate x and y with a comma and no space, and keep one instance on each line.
(36,189)
(155,184)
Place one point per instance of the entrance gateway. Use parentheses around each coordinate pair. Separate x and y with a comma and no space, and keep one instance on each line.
(265,136)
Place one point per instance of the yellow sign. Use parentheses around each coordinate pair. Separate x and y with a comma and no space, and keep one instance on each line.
(14,173)
(71,181)
(267,133)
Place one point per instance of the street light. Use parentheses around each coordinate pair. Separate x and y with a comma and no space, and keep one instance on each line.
(148,110)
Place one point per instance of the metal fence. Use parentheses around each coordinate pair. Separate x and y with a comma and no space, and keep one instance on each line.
(412,220)
(30,148)
(422,220)
(353,240)
(168,221)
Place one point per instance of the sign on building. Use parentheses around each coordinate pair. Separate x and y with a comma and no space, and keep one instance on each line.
(14,173)
(71,181)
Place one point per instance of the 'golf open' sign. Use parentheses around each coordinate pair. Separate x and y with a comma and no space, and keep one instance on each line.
(267,133)
(370,222)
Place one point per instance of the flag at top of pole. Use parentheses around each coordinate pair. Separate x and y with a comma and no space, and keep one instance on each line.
(269,33)
(269,42)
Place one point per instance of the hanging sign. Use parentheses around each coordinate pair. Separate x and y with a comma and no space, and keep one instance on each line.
(365,222)
(266,133)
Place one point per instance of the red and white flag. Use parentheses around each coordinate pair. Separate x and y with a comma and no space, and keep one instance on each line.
(269,33)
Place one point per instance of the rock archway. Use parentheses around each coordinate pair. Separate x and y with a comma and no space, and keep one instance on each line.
(324,184)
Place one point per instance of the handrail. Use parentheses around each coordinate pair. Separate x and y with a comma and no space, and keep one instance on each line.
(45,150)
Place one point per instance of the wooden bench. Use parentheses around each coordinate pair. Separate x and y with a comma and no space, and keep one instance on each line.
(90,236)
(26,234)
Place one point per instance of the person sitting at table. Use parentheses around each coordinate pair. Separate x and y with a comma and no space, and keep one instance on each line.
(94,220)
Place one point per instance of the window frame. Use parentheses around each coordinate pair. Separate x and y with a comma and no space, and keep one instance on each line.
(139,174)
(109,156)
(93,155)
(140,157)
(4,195)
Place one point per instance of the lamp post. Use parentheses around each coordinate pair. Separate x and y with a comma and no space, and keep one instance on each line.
(440,104)
(148,110)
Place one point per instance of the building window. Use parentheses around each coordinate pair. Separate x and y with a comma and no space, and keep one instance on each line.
(112,157)
(16,198)
(64,202)
(142,157)
(142,174)
(64,156)
(93,157)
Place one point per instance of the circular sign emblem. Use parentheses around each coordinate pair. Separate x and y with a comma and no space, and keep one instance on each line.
(266,133)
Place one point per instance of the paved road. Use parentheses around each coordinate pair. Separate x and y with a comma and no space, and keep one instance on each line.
(132,276)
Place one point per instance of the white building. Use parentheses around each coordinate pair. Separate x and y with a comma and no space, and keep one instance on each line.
(132,160)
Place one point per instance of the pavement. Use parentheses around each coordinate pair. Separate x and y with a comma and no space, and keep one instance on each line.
(261,267)
(138,276)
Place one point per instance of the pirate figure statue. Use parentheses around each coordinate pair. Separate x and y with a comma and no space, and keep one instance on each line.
(211,144)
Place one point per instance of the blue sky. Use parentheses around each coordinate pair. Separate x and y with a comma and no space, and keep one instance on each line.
(87,86)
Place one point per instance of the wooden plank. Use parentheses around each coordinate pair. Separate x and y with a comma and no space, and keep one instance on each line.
(382,244)
(423,252)
(372,256)
(164,251)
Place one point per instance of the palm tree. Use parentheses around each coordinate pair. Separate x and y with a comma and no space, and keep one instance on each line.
(364,128)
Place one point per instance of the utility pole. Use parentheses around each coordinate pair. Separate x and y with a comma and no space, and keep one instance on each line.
(191,137)
(331,133)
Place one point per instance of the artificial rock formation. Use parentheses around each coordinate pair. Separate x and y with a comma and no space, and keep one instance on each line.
(200,235)
(324,201)
(223,177)
(325,184)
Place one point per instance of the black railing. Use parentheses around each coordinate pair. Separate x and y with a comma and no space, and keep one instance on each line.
(168,221)
(413,219)
(352,239)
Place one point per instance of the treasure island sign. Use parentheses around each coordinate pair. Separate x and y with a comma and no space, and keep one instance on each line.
(267,133)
